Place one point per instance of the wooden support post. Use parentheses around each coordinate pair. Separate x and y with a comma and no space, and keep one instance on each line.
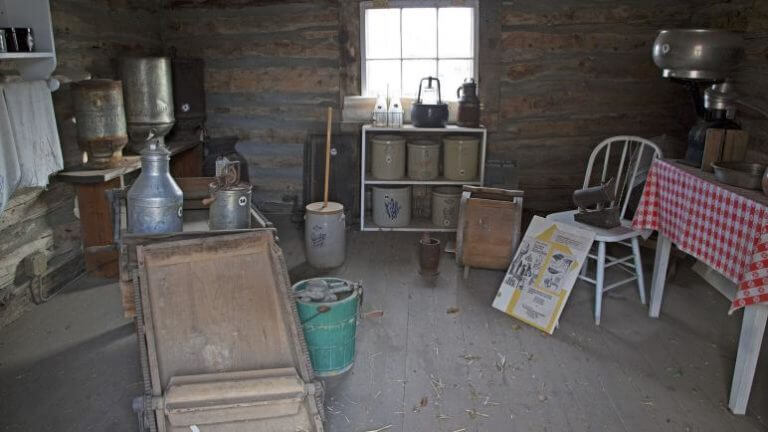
(188,163)
(96,226)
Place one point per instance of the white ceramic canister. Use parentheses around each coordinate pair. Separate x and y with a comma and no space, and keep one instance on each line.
(460,156)
(423,160)
(391,206)
(445,206)
(388,157)
(325,235)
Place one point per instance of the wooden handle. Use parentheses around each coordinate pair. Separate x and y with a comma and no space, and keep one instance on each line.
(327,156)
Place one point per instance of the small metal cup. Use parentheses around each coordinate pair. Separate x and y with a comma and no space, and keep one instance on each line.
(25,39)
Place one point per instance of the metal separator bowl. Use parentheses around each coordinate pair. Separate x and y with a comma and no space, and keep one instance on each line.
(698,54)
(745,175)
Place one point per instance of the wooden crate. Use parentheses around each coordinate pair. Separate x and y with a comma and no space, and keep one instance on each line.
(128,262)
(489,227)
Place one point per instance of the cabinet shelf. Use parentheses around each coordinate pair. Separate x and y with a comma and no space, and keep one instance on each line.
(26,55)
(35,14)
(440,181)
(417,224)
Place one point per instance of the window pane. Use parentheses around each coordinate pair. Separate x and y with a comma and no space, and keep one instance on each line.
(452,74)
(419,33)
(379,74)
(413,72)
(382,33)
(456,32)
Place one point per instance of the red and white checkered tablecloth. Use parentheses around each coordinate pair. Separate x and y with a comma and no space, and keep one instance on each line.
(713,222)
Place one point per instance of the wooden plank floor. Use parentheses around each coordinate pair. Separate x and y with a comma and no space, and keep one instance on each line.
(423,366)
(72,363)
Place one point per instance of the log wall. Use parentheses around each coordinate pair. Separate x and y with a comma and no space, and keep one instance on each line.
(88,35)
(572,73)
(272,68)
(555,78)
(751,82)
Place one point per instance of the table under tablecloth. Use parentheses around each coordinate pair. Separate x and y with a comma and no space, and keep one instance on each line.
(723,226)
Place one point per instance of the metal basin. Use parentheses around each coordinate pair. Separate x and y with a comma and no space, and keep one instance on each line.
(700,54)
(740,174)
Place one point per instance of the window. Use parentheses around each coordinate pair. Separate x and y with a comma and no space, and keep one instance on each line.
(410,40)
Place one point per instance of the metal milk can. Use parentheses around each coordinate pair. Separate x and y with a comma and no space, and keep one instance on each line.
(148,92)
(155,201)
(101,130)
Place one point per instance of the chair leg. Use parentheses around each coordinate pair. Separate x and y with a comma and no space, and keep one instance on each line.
(599,279)
(639,269)
(584,266)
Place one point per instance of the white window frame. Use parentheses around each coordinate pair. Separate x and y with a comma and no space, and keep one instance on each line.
(404,4)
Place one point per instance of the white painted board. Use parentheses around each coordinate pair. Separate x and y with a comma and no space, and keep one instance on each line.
(543,272)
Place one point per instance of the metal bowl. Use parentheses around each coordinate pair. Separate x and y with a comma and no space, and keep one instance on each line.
(699,54)
(740,174)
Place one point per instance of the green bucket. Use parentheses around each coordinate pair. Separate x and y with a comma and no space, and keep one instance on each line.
(329,329)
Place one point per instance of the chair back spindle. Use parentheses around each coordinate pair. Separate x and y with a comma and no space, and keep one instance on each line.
(632,160)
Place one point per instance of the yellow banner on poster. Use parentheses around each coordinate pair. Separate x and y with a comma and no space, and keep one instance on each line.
(542,273)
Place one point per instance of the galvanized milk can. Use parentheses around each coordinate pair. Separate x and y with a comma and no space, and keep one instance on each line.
(231,206)
(155,201)
(325,235)
(100,116)
(391,206)
(423,160)
(388,158)
(148,91)
(460,156)
(445,206)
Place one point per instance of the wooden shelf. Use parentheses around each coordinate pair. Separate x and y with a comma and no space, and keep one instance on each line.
(440,181)
(416,225)
(128,164)
(412,128)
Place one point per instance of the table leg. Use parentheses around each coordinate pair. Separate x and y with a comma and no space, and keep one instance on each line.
(752,328)
(660,263)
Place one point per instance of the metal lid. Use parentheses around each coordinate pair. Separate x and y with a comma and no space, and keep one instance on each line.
(331,208)
(155,149)
(446,190)
(388,138)
(423,143)
(237,187)
(461,138)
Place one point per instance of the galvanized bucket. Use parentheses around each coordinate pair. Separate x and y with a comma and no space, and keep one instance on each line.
(391,206)
(231,208)
(460,157)
(388,157)
(445,206)
(330,328)
(423,160)
(325,235)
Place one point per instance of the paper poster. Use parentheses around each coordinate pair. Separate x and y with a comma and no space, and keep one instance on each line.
(542,273)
